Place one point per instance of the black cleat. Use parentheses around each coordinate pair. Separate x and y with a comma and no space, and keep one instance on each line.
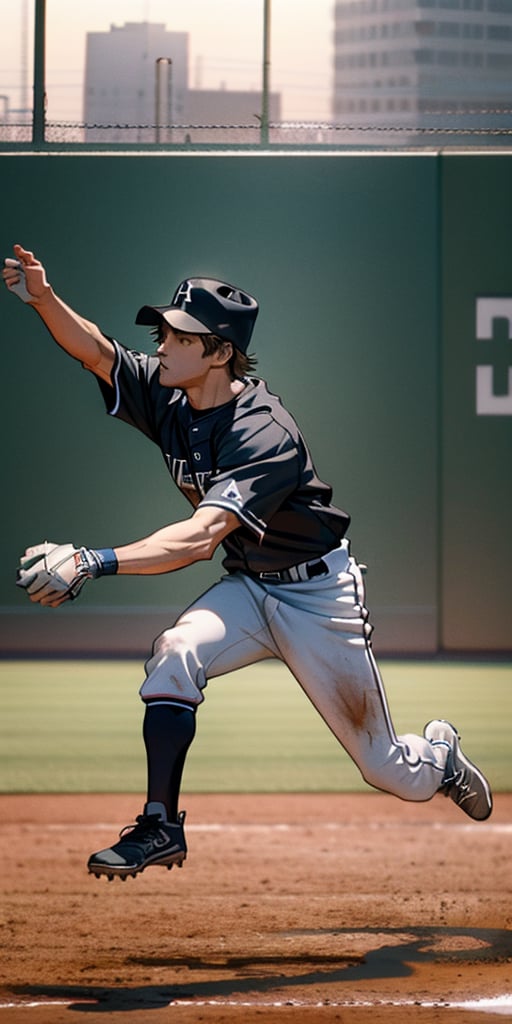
(152,840)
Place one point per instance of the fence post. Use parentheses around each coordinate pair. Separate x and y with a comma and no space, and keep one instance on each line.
(264,128)
(39,111)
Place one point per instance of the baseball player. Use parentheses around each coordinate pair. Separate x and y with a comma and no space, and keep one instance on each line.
(291,589)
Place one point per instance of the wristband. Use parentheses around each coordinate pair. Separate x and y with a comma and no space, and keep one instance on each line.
(108,561)
(100,561)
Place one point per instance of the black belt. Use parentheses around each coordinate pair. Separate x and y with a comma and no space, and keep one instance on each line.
(295,574)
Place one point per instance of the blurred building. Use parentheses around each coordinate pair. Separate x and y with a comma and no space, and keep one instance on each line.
(400,62)
(124,85)
(237,112)
(136,85)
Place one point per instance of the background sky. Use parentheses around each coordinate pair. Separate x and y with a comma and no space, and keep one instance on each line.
(225,47)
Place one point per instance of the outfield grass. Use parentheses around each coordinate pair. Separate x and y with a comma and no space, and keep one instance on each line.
(70,726)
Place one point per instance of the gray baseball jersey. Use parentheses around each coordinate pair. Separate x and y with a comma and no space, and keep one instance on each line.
(247,456)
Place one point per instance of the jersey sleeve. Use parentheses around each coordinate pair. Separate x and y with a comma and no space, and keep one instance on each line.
(258,467)
(134,394)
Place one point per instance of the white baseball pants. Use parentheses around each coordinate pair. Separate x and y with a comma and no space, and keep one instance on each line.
(320,629)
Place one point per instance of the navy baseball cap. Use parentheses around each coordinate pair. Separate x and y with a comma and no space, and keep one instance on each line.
(203,305)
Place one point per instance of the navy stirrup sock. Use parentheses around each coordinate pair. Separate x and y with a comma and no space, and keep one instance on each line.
(168,731)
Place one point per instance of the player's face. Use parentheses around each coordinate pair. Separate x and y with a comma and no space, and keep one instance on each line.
(183,363)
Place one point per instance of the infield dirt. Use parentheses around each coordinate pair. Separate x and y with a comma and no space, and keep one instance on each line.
(307,908)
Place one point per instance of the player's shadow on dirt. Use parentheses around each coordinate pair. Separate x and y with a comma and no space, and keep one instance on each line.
(266,974)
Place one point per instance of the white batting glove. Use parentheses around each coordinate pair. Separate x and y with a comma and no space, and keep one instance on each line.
(51,573)
(18,287)
(54,573)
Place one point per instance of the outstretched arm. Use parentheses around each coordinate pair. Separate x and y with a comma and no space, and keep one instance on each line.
(80,338)
(180,544)
(54,573)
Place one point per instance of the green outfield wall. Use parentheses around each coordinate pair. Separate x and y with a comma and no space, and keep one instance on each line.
(475,471)
(383,281)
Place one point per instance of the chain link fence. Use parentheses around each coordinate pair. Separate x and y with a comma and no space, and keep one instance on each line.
(475,127)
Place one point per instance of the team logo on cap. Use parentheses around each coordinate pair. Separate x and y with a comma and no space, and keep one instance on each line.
(183,294)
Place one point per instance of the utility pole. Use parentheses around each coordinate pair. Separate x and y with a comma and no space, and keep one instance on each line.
(264,128)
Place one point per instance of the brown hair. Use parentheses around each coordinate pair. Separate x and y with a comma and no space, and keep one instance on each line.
(239,365)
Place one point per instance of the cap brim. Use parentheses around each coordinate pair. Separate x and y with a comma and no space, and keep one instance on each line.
(151,315)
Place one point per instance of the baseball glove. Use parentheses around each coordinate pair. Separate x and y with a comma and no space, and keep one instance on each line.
(54,573)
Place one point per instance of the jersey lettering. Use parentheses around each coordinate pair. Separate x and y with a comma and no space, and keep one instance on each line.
(185,480)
